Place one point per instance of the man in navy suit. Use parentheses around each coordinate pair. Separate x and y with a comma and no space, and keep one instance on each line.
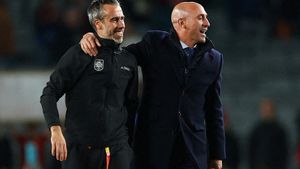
(180,120)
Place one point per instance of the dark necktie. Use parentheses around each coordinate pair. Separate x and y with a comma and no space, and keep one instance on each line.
(189,52)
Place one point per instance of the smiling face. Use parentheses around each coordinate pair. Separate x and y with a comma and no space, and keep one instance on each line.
(190,21)
(196,23)
(112,25)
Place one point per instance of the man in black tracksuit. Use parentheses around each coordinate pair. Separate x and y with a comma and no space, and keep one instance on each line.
(99,93)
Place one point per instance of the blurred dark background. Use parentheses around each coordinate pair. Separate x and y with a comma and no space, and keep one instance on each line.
(260,40)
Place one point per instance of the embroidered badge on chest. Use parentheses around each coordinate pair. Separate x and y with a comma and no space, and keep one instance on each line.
(99,64)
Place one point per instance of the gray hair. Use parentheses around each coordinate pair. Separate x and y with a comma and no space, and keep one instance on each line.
(95,10)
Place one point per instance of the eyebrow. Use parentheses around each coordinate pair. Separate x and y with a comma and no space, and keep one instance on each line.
(202,15)
(117,17)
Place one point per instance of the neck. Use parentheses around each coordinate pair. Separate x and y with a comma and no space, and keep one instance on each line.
(186,40)
(188,43)
(101,36)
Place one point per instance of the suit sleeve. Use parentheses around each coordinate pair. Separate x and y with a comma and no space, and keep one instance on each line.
(140,49)
(214,118)
(65,75)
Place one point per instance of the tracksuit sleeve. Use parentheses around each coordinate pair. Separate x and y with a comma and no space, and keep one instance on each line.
(65,75)
(131,103)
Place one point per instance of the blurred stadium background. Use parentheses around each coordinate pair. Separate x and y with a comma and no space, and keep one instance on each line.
(260,40)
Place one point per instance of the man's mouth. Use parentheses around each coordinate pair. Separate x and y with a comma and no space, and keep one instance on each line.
(203,32)
(119,32)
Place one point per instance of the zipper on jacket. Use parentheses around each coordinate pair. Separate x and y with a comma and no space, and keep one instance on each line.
(115,65)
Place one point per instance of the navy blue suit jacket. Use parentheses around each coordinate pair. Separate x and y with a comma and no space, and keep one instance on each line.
(178,96)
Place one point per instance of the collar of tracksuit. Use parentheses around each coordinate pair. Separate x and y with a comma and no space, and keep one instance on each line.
(109,43)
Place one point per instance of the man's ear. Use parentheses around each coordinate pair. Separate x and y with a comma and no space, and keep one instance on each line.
(181,22)
(98,24)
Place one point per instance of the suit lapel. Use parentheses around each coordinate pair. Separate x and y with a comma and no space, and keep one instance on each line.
(200,51)
(176,57)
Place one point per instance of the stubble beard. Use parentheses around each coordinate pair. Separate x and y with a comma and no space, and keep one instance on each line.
(116,38)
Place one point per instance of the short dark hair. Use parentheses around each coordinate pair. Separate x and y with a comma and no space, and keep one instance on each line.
(95,10)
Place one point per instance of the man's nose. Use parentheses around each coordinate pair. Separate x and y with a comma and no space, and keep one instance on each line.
(206,22)
(121,24)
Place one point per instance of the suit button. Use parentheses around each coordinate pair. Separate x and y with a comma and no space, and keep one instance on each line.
(89,147)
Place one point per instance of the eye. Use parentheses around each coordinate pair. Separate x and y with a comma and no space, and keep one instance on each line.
(117,19)
(202,17)
(114,19)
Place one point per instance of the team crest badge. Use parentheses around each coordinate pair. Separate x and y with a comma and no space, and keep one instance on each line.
(99,64)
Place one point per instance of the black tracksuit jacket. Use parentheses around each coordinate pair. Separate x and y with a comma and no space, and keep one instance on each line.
(99,93)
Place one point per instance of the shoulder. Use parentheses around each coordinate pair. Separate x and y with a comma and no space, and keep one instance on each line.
(156,34)
(75,51)
(215,52)
(74,55)
(128,56)
(216,55)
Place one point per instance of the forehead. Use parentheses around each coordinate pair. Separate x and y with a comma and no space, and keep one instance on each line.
(113,10)
(196,10)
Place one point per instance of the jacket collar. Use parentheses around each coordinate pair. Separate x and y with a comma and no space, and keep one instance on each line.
(107,43)
(201,47)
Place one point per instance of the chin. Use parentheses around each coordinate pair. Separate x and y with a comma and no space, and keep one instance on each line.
(118,40)
(202,40)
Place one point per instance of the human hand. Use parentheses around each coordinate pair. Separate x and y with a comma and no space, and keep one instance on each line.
(88,44)
(58,143)
(215,164)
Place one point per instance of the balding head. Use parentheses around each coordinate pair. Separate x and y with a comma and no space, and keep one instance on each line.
(190,22)
(181,10)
